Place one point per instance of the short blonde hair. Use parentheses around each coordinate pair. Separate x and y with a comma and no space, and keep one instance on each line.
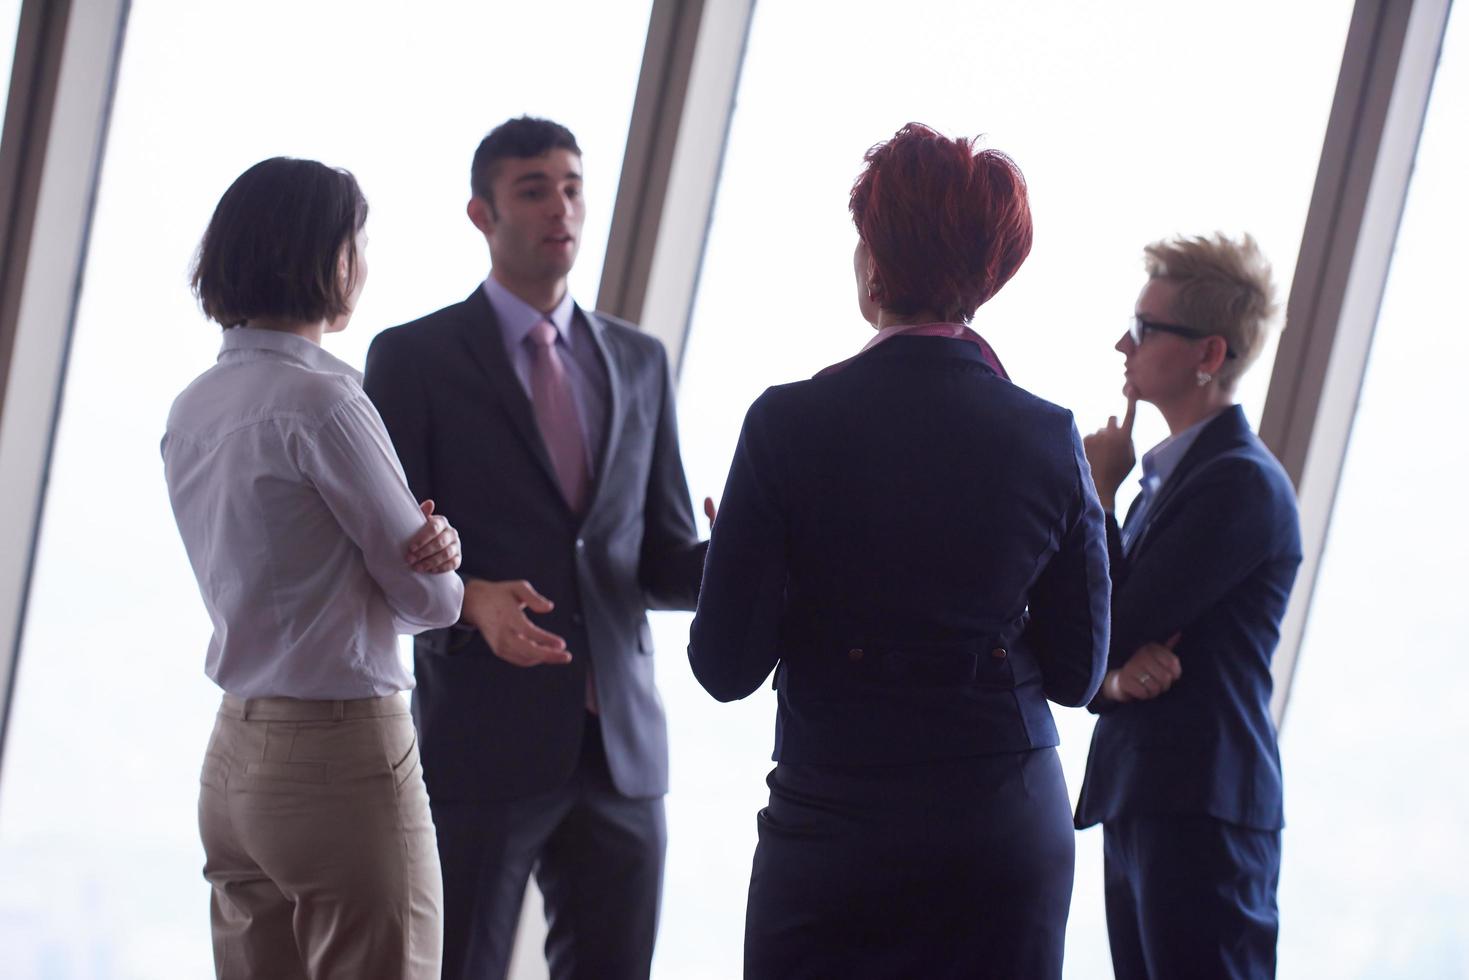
(1224,289)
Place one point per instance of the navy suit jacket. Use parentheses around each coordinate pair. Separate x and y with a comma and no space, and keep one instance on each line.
(1215,561)
(916,544)
(466,433)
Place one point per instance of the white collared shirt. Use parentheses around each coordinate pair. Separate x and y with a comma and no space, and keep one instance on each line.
(296,517)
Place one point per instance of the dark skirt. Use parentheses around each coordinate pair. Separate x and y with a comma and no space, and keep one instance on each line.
(960,868)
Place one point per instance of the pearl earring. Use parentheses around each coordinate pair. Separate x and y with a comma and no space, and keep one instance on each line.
(1203,378)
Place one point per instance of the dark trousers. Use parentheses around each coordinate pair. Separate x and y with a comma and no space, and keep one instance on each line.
(597,857)
(959,868)
(1191,896)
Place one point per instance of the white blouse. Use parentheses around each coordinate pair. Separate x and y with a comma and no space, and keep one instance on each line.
(296,518)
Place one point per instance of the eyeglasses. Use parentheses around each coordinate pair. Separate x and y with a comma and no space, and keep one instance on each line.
(1139,329)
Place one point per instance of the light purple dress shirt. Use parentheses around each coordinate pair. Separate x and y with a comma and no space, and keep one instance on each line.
(1158,465)
(296,517)
(578,349)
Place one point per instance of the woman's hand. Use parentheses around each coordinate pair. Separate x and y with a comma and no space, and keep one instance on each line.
(1110,454)
(435,548)
(1153,669)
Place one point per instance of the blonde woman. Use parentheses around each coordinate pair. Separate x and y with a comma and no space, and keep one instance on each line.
(1184,773)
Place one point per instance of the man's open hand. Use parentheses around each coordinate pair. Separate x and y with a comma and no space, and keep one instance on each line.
(497,610)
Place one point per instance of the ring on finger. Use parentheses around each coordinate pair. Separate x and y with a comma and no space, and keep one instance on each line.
(1145,678)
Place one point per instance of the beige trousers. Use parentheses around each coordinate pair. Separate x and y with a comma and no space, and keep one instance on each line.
(318,842)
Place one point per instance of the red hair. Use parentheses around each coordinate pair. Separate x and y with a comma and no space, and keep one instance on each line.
(946,226)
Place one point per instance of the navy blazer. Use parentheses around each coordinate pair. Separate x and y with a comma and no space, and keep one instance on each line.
(1215,560)
(916,544)
(466,433)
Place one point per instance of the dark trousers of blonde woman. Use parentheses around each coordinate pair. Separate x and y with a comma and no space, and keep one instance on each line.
(1191,896)
(318,842)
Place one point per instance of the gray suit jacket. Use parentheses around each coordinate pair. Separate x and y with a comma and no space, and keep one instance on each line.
(467,437)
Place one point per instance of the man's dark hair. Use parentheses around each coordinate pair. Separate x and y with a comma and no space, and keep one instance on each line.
(273,246)
(520,139)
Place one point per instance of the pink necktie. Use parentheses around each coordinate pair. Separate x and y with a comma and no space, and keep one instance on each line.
(555,408)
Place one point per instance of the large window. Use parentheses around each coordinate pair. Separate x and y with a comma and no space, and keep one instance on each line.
(9,21)
(1373,883)
(1131,121)
(98,840)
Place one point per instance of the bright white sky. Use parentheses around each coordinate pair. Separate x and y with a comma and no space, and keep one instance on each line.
(1130,121)
(9,18)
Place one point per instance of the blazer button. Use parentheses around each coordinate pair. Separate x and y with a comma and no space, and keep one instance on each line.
(581,544)
(999,653)
(854,654)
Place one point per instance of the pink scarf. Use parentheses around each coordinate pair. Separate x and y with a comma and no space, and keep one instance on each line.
(955,331)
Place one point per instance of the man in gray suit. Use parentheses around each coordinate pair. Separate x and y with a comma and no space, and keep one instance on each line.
(548,431)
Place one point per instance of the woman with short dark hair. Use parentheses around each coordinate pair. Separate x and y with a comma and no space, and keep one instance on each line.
(913,544)
(311,556)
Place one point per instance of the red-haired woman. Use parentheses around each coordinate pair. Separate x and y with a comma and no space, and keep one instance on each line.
(912,542)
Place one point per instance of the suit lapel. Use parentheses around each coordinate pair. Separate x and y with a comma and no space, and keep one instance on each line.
(1132,509)
(481,331)
(1224,431)
(614,405)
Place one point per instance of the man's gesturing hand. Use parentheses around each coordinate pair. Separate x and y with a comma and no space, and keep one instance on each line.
(497,610)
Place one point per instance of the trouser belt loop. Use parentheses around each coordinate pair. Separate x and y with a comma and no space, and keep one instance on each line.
(339,710)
